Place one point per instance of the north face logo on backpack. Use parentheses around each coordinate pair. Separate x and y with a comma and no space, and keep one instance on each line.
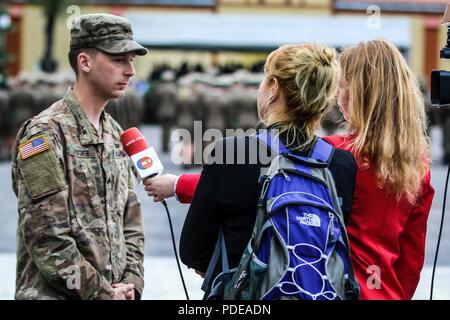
(309,219)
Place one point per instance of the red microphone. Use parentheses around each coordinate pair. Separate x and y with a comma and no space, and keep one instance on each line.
(133,141)
(144,158)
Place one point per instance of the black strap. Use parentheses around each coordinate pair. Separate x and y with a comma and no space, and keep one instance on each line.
(220,252)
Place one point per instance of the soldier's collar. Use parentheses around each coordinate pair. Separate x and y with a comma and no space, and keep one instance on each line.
(87,133)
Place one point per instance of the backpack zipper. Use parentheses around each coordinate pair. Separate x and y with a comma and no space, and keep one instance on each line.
(286,176)
(333,236)
(264,188)
(266,182)
(242,276)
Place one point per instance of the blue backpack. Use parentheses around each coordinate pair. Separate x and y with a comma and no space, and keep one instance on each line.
(299,246)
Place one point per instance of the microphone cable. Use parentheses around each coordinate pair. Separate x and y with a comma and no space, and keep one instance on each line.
(440,233)
(175,249)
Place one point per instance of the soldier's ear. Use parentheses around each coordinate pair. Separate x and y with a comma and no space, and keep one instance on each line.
(84,61)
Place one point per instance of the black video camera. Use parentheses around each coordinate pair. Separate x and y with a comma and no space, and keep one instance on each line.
(440,79)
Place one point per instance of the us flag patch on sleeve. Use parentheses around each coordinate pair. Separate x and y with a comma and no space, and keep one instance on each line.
(33,146)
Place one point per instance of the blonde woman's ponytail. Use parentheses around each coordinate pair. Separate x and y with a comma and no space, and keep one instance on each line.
(308,76)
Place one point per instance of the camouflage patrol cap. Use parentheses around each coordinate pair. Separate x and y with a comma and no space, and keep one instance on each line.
(106,32)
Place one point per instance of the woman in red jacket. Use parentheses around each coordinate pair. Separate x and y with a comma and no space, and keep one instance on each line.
(381,101)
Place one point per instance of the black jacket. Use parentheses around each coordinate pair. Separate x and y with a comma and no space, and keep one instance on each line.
(226,197)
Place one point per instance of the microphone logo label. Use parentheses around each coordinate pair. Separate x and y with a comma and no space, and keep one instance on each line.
(144,163)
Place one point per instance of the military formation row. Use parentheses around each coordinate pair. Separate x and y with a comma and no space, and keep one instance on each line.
(221,102)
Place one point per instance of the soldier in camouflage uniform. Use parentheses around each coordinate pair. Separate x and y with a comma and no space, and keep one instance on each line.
(5,125)
(167,107)
(80,233)
(127,110)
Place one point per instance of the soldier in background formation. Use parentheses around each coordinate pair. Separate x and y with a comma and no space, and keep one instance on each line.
(221,99)
(5,127)
(127,110)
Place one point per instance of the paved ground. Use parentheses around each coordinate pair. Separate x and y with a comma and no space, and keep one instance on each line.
(161,271)
(162,281)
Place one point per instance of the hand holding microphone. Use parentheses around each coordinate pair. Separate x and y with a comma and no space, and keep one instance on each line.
(161,187)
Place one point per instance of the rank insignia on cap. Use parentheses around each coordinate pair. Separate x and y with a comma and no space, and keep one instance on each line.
(32,147)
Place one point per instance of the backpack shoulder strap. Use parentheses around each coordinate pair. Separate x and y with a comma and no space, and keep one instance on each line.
(220,252)
(322,151)
(272,142)
(320,155)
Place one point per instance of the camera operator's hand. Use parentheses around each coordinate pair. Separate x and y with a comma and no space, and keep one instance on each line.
(161,186)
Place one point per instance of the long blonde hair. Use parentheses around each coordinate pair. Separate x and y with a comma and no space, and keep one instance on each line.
(307,75)
(387,115)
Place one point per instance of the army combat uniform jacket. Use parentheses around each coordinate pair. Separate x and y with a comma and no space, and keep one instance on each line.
(80,226)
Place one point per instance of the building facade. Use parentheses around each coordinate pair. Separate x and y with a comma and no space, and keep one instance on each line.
(423,34)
